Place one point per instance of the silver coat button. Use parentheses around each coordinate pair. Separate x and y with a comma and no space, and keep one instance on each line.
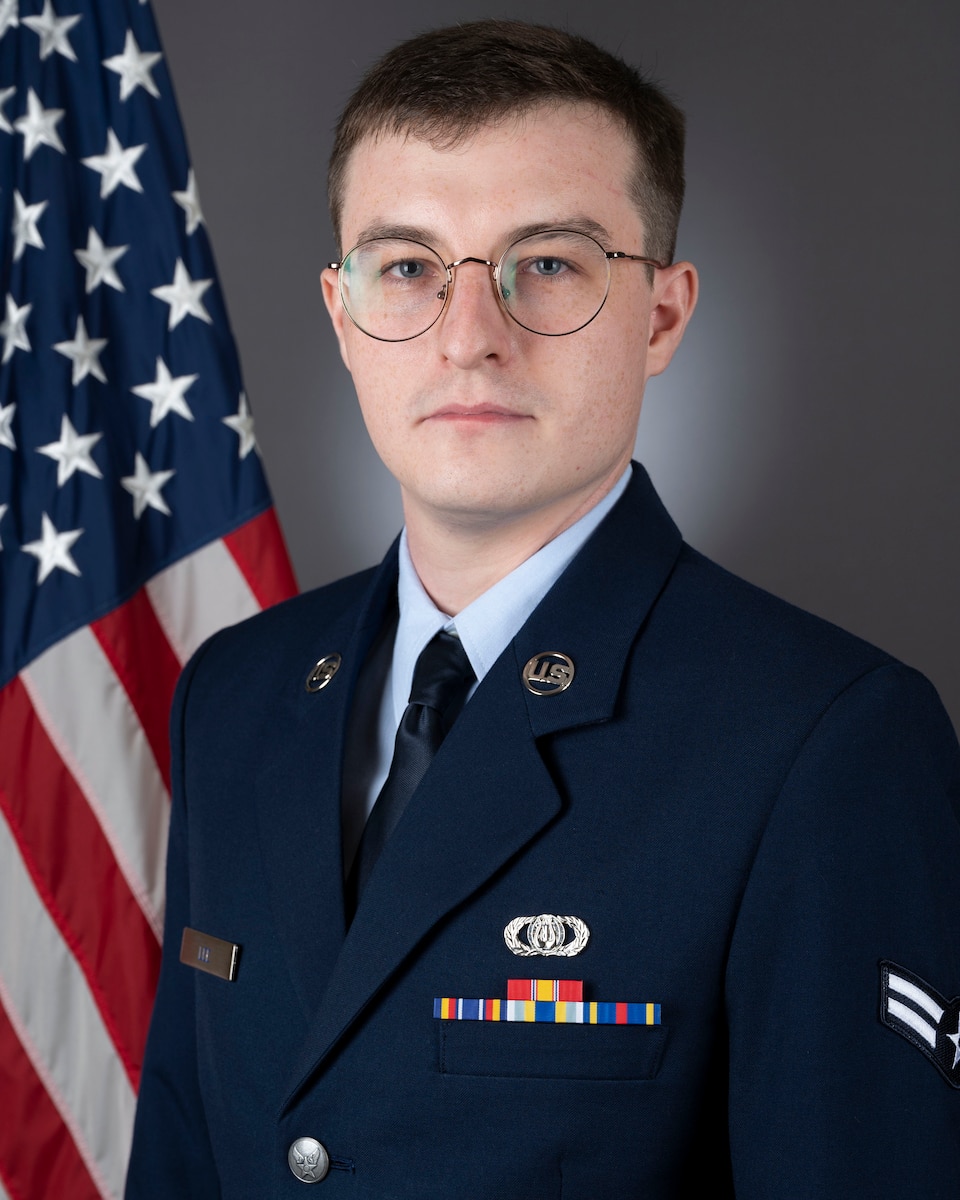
(308,1160)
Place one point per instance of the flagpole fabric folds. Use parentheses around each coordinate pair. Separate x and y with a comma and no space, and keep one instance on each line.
(134,521)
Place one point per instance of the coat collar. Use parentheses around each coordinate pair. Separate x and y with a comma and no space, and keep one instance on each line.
(592,614)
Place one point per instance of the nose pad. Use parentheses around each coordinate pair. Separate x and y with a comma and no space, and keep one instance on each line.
(449,288)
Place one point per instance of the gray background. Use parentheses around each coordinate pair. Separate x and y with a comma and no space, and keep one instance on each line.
(806,436)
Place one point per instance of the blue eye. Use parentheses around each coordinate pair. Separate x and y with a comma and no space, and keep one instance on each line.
(408,269)
(548,266)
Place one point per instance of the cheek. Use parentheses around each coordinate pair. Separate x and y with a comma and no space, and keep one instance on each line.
(603,387)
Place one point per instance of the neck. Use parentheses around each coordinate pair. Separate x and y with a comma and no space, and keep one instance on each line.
(459,558)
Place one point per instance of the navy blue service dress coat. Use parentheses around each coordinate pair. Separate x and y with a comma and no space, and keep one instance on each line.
(750,810)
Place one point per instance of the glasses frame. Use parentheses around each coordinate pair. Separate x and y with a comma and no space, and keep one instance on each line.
(609,255)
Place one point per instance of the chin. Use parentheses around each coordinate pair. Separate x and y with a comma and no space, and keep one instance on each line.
(470,498)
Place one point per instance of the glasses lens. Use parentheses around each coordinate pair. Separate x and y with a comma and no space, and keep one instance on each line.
(393,290)
(554,282)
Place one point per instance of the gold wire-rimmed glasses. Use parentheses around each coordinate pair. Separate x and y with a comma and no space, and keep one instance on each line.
(552,283)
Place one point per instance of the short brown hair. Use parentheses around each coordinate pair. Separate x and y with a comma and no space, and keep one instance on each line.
(443,86)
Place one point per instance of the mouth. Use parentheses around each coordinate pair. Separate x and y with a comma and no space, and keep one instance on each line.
(477,414)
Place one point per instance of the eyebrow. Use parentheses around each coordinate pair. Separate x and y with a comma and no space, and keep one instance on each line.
(400,233)
(578,223)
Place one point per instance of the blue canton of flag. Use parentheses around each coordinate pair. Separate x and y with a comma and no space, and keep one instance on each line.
(125,439)
(134,521)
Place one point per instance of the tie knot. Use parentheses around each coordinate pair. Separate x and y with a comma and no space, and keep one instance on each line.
(442,676)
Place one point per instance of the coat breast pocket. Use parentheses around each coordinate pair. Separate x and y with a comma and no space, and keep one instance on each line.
(550,1051)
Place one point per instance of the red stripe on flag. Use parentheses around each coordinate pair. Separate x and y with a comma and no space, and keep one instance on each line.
(136,647)
(621,1013)
(93,907)
(47,1165)
(261,554)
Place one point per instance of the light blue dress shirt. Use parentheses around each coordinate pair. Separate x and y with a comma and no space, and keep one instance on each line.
(485,627)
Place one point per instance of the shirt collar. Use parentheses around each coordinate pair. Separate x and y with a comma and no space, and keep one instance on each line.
(487,625)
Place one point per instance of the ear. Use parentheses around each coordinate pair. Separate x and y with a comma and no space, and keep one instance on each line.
(675,290)
(338,318)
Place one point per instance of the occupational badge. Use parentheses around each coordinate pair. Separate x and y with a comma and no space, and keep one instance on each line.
(546,935)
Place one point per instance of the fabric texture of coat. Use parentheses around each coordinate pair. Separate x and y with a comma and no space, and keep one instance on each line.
(750,811)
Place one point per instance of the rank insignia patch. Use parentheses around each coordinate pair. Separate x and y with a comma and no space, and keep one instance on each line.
(546,1001)
(913,1009)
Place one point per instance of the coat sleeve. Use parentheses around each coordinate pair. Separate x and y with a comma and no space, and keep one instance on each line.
(859,865)
(171,1154)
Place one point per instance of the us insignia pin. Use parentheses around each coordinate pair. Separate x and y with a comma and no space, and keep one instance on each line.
(549,673)
(910,1006)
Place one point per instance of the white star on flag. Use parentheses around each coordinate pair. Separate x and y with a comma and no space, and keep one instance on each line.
(3,513)
(6,421)
(134,67)
(98,260)
(13,328)
(166,394)
(242,425)
(116,166)
(8,15)
(39,126)
(72,452)
(52,550)
(183,296)
(189,201)
(144,485)
(52,31)
(85,352)
(25,232)
(5,94)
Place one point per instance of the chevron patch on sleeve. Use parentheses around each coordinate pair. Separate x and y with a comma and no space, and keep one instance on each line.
(912,1008)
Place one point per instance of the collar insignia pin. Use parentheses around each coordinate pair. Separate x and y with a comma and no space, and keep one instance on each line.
(548,673)
(323,672)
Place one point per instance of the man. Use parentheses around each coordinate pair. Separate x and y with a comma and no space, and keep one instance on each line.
(675,897)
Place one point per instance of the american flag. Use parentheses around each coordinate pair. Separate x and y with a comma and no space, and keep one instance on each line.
(134,521)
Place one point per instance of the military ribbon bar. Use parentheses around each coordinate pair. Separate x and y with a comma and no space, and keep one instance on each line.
(546,1001)
(545,989)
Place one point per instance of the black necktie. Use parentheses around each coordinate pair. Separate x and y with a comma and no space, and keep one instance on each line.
(441,680)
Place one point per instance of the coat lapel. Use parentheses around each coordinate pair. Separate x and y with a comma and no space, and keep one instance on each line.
(298,788)
(592,614)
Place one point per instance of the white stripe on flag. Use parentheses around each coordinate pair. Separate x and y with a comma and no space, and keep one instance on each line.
(896,983)
(50,1007)
(198,595)
(89,718)
(914,1020)
(3,1192)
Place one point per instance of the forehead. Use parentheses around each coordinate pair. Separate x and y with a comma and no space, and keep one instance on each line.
(545,166)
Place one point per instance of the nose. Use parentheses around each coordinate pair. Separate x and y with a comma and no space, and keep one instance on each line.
(474,327)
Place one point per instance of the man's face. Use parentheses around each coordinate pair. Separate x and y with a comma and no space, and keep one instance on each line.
(481,421)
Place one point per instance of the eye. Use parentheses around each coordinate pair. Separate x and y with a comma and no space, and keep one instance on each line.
(547,266)
(407,268)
